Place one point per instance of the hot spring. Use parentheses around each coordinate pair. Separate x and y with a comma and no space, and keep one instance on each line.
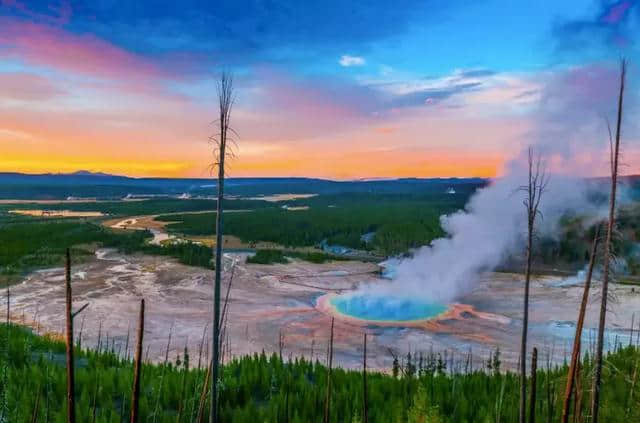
(384,308)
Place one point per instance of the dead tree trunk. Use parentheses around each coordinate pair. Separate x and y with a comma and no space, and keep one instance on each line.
(4,410)
(225,101)
(534,374)
(71,403)
(365,399)
(615,149)
(203,396)
(577,406)
(327,402)
(135,396)
(577,340)
(36,408)
(537,182)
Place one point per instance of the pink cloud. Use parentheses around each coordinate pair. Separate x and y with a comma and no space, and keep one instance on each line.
(284,108)
(24,86)
(84,54)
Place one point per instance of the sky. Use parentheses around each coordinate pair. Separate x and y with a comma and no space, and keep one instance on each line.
(345,90)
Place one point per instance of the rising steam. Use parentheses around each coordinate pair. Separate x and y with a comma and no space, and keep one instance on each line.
(570,134)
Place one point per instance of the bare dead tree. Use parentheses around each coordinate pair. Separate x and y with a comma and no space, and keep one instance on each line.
(203,395)
(71,402)
(4,409)
(99,336)
(166,352)
(221,140)
(135,396)
(36,407)
(94,405)
(577,404)
(536,186)
(327,403)
(183,384)
(201,347)
(534,374)
(577,339)
(634,378)
(615,152)
(156,410)
(225,308)
(365,399)
(126,348)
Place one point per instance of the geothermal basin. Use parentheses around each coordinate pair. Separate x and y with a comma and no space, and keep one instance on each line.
(295,303)
(380,309)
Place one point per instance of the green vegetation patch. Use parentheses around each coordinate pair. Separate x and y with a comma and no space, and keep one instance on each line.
(262,388)
(315,257)
(399,222)
(267,257)
(28,244)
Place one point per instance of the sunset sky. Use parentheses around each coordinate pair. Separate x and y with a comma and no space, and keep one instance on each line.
(338,89)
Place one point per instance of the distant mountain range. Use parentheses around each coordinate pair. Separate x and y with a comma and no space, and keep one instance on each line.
(88,173)
(101,185)
(85,184)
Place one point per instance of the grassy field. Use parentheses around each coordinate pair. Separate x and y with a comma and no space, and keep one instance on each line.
(264,388)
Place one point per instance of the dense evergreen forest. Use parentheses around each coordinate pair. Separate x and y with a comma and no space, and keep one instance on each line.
(397,222)
(266,388)
(571,245)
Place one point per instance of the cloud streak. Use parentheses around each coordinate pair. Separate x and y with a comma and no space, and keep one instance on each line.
(348,61)
(616,24)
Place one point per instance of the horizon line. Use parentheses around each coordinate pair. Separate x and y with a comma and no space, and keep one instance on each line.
(82,172)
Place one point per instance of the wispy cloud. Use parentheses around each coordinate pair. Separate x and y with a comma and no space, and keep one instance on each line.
(26,87)
(615,24)
(462,87)
(348,61)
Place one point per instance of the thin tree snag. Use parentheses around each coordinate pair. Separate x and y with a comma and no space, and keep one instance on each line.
(8,304)
(577,406)
(135,396)
(225,103)
(78,311)
(126,347)
(534,374)
(577,340)
(36,407)
(327,403)
(615,150)
(203,395)
(71,404)
(365,400)
(183,384)
(536,186)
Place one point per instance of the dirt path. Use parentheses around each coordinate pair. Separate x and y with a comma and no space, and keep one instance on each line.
(160,234)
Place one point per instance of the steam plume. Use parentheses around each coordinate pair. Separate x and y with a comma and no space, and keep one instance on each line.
(570,134)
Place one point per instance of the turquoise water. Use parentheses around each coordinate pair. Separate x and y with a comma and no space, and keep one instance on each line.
(369,307)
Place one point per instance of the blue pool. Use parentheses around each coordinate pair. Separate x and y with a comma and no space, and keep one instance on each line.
(368,307)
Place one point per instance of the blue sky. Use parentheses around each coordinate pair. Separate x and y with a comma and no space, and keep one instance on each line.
(350,82)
